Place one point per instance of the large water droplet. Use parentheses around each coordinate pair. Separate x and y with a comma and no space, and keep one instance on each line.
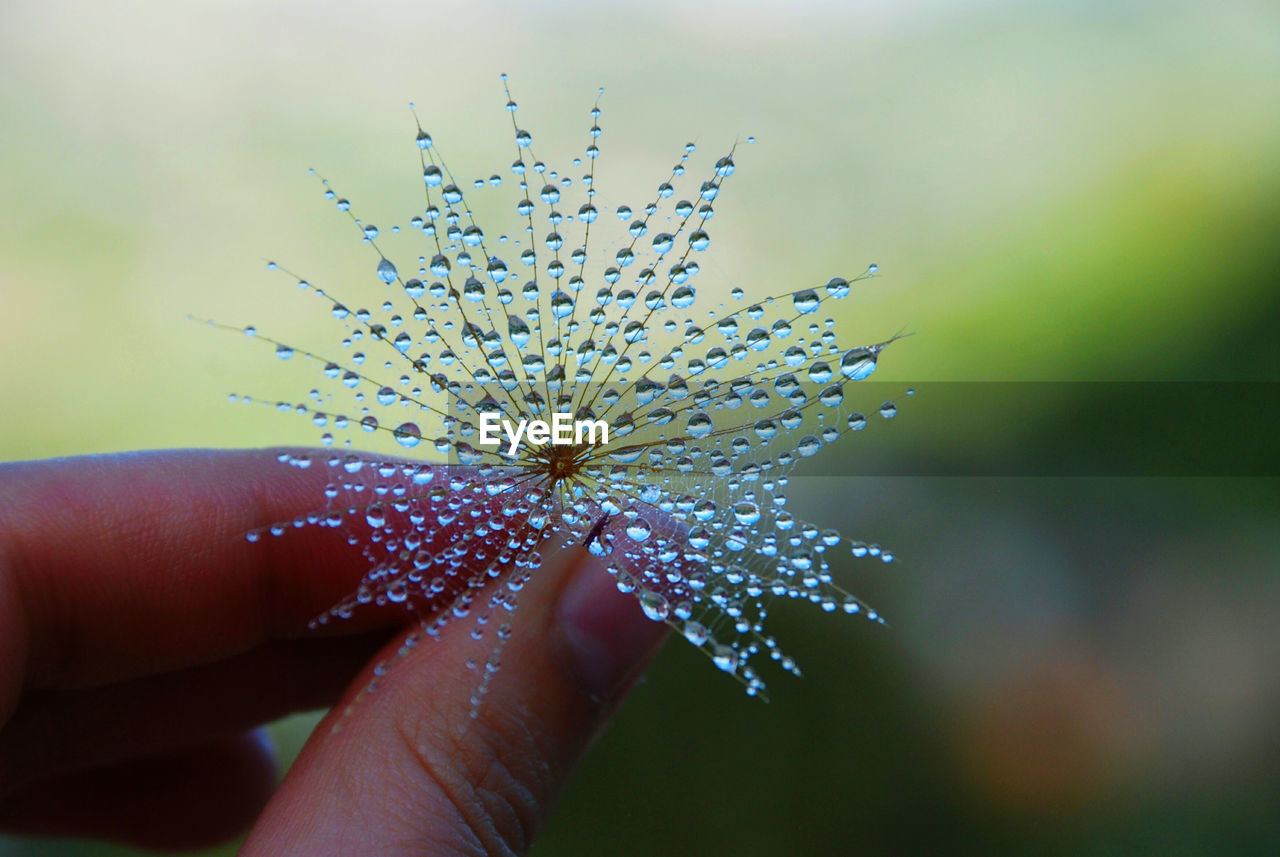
(858,363)
(654,605)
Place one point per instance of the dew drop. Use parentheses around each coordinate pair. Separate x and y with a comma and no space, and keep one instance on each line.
(695,632)
(806,301)
(858,363)
(654,605)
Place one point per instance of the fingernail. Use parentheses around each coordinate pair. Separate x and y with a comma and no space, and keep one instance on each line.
(608,635)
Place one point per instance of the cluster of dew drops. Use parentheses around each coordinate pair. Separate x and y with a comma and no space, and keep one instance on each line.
(710,408)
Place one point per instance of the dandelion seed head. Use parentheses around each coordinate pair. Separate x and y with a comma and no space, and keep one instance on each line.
(711,394)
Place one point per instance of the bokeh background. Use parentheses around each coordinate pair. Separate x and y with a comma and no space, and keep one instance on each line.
(1079,660)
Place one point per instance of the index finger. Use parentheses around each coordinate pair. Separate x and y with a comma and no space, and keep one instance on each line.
(118,566)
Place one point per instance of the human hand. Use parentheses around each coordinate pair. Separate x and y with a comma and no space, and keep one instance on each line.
(143,640)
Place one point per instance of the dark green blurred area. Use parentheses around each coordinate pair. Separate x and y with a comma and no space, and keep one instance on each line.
(1056,194)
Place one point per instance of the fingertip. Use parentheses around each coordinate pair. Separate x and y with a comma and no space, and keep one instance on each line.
(609,638)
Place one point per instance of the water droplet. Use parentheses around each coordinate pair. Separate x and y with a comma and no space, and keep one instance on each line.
(806,301)
(858,363)
(654,605)
(695,632)
(725,658)
(408,435)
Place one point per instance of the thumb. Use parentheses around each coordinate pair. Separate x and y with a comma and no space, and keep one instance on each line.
(410,772)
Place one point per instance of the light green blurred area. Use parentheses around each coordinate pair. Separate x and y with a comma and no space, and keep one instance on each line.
(1052,191)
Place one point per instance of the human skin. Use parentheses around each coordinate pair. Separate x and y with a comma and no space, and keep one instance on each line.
(143,641)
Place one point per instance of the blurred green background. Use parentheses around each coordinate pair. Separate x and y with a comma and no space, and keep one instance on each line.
(1055,192)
